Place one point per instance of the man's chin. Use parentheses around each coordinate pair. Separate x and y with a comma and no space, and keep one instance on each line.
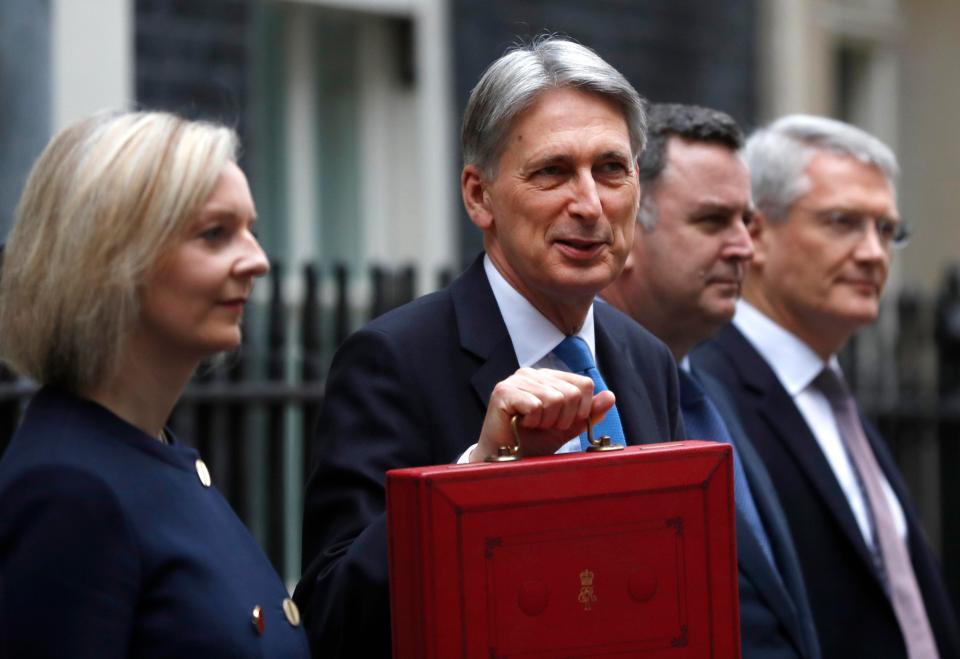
(859,312)
(586,278)
(719,309)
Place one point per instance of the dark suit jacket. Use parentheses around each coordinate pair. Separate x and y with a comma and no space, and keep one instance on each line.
(775,617)
(111,547)
(853,616)
(411,389)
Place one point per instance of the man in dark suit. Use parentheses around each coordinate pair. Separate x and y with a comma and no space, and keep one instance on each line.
(681,281)
(824,231)
(550,139)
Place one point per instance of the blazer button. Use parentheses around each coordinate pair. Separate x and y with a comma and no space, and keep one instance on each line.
(257,619)
(203,473)
(291,611)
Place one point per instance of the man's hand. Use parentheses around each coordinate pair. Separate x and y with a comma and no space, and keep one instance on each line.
(553,406)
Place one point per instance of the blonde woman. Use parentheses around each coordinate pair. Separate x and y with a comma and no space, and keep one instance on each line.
(131,260)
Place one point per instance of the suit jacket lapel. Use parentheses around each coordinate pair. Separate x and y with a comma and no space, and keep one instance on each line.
(782,585)
(788,426)
(482,330)
(620,374)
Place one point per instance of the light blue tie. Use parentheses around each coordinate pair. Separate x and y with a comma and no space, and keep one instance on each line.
(575,353)
(702,421)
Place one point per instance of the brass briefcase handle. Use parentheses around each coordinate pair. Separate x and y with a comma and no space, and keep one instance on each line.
(512,453)
(508,453)
(603,443)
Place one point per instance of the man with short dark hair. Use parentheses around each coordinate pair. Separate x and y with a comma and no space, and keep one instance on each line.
(550,139)
(824,233)
(682,281)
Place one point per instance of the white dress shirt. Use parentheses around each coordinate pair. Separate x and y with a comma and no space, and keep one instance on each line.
(796,365)
(532,335)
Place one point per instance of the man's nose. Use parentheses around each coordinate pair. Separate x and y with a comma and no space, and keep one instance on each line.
(586,198)
(871,246)
(739,244)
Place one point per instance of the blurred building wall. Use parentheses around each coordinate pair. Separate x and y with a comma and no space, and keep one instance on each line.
(92,54)
(59,60)
(930,138)
(24,96)
(352,104)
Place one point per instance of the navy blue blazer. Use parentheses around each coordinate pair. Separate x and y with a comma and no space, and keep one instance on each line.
(775,617)
(111,547)
(853,616)
(411,389)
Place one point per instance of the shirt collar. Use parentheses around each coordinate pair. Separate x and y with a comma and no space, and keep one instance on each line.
(532,335)
(794,362)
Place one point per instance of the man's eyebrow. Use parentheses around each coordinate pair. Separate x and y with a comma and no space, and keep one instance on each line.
(615,153)
(545,160)
(549,158)
(721,208)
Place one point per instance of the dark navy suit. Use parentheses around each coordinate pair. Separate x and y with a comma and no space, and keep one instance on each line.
(853,616)
(411,389)
(775,618)
(111,547)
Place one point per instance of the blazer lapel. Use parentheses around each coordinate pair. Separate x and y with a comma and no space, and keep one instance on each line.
(781,586)
(790,580)
(787,425)
(482,330)
(620,374)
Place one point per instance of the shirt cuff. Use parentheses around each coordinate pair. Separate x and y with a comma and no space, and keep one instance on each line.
(465,458)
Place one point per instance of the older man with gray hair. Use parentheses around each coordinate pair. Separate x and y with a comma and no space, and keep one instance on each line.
(824,234)
(550,140)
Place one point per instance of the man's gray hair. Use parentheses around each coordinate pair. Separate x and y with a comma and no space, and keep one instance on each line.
(778,156)
(514,82)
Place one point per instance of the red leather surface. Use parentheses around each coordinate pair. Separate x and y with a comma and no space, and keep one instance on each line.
(621,554)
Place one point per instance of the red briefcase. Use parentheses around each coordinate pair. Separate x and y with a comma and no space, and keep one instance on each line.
(615,554)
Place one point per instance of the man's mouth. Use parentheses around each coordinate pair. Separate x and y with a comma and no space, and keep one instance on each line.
(579,248)
(726,276)
(724,281)
(863,284)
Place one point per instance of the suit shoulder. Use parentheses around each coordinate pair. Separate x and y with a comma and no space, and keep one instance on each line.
(398,349)
(73,486)
(631,333)
(63,506)
(426,315)
(713,357)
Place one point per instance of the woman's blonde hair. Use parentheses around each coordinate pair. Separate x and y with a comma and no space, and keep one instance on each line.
(102,203)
